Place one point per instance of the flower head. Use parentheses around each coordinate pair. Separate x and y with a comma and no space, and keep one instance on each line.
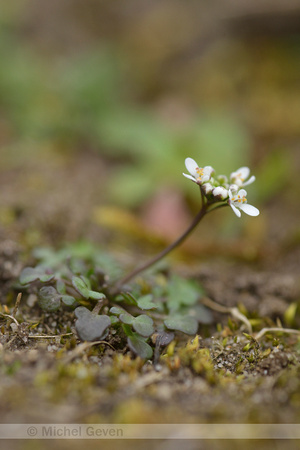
(240,176)
(238,201)
(197,174)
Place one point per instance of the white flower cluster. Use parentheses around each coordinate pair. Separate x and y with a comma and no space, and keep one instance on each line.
(219,188)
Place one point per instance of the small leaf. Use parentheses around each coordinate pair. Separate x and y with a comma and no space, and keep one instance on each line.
(129,298)
(91,327)
(46,277)
(68,300)
(146,302)
(186,324)
(96,295)
(126,318)
(127,330)
(116,310)
(86,280)
(61,287)
(114,319)
(137,345)
(143,325)
(200,312)
(48,299)
(81,287)
(30,274)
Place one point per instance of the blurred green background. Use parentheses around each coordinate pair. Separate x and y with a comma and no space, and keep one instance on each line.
(101,102)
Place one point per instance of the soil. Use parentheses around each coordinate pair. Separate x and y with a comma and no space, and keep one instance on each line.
(225,377)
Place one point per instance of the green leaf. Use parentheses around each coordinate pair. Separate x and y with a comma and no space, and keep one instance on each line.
(81,287)
(126,318)
(114,319)
(68,300)
(86,281)
(200,312)
(127,330)
(116,310)
(143,325)
(30,274)
(146,302)
(96,295)
(186,324)
(61,287)
(129,298)
(137,345)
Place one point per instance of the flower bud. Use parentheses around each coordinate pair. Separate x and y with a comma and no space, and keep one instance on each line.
(222,179)
(233,188)
(220,193)
(207,188)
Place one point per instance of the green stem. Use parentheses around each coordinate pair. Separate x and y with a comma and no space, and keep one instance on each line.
(164,252)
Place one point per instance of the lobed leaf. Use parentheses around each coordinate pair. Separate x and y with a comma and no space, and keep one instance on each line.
(91,327)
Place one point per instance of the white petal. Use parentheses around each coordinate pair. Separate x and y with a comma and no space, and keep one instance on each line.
(208,170)
(235,210)
(243,172)
(190,177)
(251,179)
(191,166)
(249,209)
(242,193)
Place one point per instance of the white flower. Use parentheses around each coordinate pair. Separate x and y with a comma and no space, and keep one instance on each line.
(220,193)
(238,202)
(240,176)
(198,175)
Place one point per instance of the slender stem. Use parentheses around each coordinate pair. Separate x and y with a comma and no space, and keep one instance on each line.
(164,252)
